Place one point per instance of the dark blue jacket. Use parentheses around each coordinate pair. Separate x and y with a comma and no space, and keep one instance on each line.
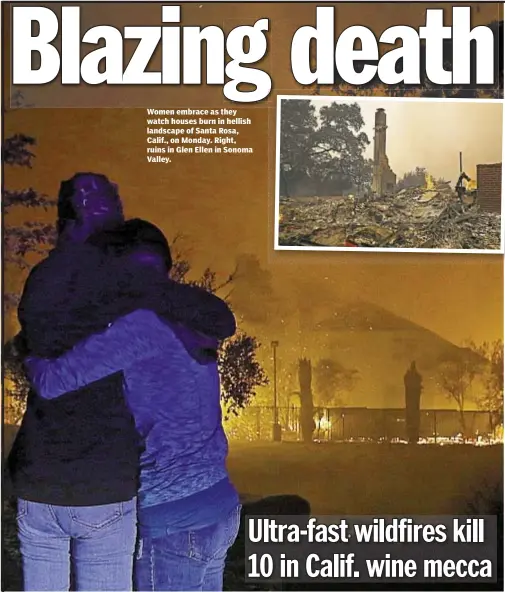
(172,388)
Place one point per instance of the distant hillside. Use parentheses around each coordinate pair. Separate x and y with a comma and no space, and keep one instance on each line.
(380,346)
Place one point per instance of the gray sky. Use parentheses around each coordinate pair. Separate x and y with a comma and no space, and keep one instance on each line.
(431,134)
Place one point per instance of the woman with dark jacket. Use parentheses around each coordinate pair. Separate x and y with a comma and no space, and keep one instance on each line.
(74,465)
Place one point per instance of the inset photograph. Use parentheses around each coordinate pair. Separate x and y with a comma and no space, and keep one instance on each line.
(389,174)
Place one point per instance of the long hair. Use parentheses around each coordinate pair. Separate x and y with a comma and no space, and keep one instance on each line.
(68,206)
(132,236)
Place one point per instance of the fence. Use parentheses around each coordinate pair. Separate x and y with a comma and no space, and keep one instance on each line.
(361,424)
(341,423)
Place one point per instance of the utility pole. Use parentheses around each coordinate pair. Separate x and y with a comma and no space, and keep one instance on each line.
(277,431)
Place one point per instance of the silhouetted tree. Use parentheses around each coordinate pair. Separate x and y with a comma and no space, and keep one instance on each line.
(31,237)
(339,146)
(492,397)
(240,371)
(331,381)
(415,178)
(252,294)
(456,376)
(322,153)
(20,241)
(298,126)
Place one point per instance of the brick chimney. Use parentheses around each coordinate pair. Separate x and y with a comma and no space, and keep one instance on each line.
(489,187)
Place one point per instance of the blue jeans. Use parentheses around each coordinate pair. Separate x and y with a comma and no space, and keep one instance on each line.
(95,543)
(186,561)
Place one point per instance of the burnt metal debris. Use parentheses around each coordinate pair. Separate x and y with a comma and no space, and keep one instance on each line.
(416,217)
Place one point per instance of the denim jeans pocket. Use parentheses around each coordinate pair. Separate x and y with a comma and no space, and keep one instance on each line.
(178,543)
(97,516)
(214,540)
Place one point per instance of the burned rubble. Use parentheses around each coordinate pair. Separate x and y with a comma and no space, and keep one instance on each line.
(417,217)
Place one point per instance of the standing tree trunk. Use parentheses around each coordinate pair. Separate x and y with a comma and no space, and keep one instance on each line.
(462,421)
(306,400)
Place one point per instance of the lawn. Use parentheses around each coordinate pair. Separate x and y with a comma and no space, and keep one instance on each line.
(344,479)
(368,478)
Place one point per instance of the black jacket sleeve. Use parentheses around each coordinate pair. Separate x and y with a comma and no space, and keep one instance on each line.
(198,309)
(189,305)
(78,291)
(186,304)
